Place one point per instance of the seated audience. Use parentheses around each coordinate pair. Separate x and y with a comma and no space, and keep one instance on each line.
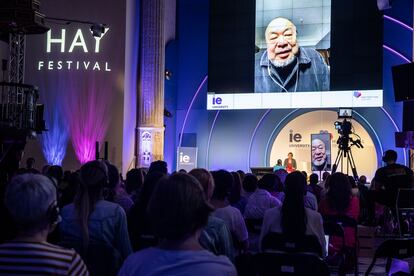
(261,199)
(139,226)
(158,166)
(116,191)
(313,187)
(354,186)
(178,211)
(309,198)
(390,178)
(215,236)
(293,218)
(133,183)
(235,197)
(340,201)
(249,185)
(91,218)
(32,203)
(223,181)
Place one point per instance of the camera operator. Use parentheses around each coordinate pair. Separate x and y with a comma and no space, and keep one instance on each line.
(390,178)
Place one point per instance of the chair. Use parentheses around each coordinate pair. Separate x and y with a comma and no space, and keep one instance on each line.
(345,222)
(100,258)
(334,229)
(394,248)
(273,263)
(278,241)
(403,205)
(254,226)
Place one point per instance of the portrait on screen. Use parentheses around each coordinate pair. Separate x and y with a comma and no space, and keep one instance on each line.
(321,152)
(291,39)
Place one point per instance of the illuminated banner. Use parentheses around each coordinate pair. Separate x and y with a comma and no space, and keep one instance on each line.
(325,99)
(79,69)
(186,158)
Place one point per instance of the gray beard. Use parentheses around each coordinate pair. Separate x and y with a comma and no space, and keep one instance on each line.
(280,64)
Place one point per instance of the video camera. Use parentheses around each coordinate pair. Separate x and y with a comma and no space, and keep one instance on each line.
(345,129)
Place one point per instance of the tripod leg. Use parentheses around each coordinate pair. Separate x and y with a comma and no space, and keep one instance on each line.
(337,160)
(352,164)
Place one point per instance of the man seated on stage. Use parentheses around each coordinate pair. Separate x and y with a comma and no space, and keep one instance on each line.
(290,163)
(285,66)
(390,178)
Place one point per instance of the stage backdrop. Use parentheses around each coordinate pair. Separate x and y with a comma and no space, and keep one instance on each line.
(81,81)
(295,137)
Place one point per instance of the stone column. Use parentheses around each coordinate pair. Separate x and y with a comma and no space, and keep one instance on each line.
(150,136)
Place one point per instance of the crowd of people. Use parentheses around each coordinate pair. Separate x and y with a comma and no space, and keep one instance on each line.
(184,223)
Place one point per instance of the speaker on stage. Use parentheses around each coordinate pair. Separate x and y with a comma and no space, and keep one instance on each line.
(402,76)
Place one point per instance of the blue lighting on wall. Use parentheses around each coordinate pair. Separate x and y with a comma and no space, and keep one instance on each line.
(55,140)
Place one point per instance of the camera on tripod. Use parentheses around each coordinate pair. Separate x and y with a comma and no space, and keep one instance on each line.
(345,142)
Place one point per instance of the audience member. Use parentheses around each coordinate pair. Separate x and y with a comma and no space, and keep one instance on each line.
(390,178)
(313,187)
(223,181)
(235,197)
(215,236)
(282,175)
(31,199)
(340,201)
(249,185)
(354,186)
(158,166)
(133,183)
(178,211)
(138,221)
(261,199)
(30,165)
(91,218)
(116,191)
(292,218)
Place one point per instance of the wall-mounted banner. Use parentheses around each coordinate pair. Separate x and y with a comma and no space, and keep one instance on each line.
(321,152)
(79,69)
(186,158)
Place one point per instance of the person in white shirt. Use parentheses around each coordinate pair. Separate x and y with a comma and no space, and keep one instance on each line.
(178,211)
(231,215)
(261,199)
(293,218)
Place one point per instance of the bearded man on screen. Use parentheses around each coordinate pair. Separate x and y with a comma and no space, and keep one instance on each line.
(285,66)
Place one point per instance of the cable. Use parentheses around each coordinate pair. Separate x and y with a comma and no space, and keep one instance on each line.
(281,86)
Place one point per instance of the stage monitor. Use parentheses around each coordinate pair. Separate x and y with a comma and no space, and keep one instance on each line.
(260,171)
(294,54)
(402,76)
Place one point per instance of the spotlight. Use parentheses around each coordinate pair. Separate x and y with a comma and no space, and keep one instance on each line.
(168,74)
(97,30)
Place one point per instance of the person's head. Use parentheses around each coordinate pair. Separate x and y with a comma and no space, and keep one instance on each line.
(325,175)
(235,191)
(293,208)
(178,208)
(390,157)
(279,162)
(305,174)
(250,183)
(31,200)
(242,174)
(30,163)
(206,180)
(56,172)
(159,166)
(318,152)
(150,182)
(339,192)
(362,180)
(282,46)
(223,181)
(290,155)
(268,182)
(134,180)
(313,179)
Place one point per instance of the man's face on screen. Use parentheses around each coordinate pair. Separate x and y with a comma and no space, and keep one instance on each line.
(281,41)
(318,152)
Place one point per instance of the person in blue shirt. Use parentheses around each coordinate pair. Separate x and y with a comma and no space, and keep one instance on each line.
(278,165)
(285,66)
